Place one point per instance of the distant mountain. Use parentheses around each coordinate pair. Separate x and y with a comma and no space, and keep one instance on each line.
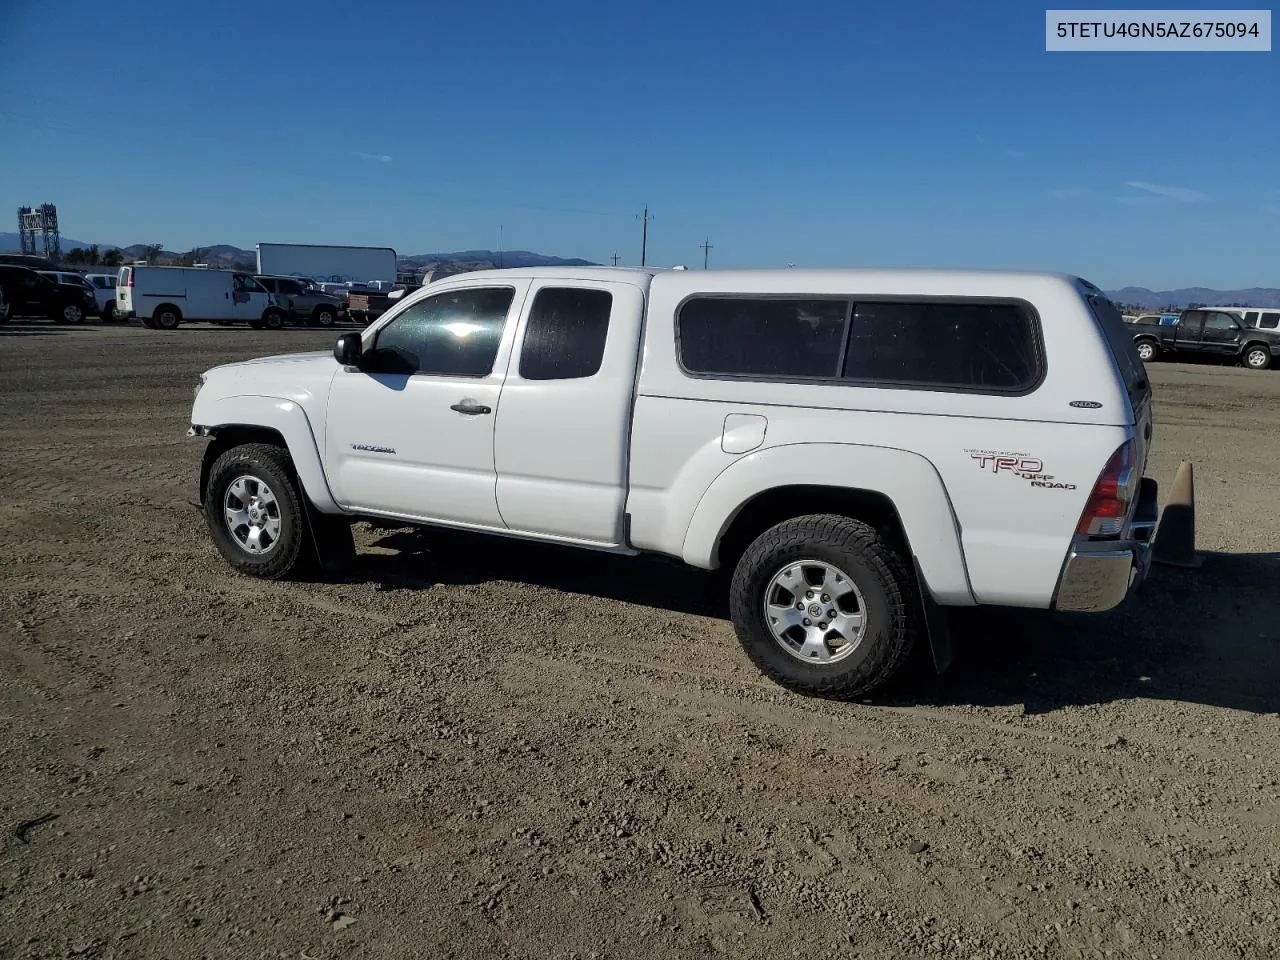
(12,243)
(1205,296)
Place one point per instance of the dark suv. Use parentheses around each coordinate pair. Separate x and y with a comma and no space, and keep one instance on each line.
(304,302)
(28,294)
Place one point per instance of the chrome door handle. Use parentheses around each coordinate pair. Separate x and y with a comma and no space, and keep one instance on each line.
(470,408)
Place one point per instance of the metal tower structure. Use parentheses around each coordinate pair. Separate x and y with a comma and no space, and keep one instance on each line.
(42,221)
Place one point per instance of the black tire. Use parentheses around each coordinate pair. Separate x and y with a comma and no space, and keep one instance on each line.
(287,554)
(109,311)
(1147,347)
(167,317)
(273,319)
(324,317)
(1256,356)
(890,616)
(72,313)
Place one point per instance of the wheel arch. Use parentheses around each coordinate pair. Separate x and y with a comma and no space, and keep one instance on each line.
(773,485)
(236,420)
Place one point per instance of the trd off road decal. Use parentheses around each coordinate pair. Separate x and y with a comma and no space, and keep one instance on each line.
(1019,465)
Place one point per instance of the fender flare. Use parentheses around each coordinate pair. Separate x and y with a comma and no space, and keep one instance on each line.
(285,417)
(910,481)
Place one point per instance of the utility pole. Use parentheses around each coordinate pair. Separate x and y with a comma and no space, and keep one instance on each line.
(706,251)
(644,237)
(499,246)
(615,259)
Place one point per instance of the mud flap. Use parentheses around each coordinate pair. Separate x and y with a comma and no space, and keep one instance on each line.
(331,541)
(935,623)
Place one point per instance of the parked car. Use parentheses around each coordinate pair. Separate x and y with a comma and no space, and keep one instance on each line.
(163,297)
(304,302)
(1214,333)
(29,294)
(104,289)
(857,447)
(75,285)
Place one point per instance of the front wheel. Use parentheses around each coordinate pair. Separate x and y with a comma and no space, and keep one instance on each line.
(822,605)
(324,317)
(254,510)
(1146,351)
(109,312)
(1257,357)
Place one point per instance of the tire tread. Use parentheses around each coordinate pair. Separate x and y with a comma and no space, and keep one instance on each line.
(853,538)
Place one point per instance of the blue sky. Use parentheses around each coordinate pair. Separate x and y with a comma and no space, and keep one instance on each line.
(819,134)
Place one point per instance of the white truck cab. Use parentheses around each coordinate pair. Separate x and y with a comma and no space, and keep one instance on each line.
(858,447)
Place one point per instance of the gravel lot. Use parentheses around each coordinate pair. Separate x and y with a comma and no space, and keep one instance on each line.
(478,748)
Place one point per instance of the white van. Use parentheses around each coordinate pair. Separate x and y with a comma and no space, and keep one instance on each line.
(162,297)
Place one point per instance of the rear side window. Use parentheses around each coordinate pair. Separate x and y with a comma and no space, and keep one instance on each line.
(1270,321)
(767,337)
(988,347)
(566,334)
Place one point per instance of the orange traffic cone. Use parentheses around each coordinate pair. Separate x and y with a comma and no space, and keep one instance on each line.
(1175,542)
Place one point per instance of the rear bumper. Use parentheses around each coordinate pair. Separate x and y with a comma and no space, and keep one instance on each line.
(1099,574)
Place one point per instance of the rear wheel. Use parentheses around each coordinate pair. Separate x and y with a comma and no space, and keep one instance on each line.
(167,317)
(822,605)
(1257,356)
(273,319)
(254,510)
(1146,351)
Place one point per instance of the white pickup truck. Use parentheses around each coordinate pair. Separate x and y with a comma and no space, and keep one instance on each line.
(859,448)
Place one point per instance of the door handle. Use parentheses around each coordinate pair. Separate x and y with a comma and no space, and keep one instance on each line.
(470,408)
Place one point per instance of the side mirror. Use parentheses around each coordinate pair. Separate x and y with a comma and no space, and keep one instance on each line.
(348,350)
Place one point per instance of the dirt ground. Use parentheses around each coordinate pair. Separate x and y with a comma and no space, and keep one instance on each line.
(479,748)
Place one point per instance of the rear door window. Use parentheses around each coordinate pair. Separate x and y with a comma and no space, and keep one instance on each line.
(566,333)
(1269,321)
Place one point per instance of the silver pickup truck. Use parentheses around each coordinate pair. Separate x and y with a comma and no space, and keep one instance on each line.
(305,302)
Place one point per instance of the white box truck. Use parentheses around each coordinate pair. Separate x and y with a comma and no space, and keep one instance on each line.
(162,297)
(326,264)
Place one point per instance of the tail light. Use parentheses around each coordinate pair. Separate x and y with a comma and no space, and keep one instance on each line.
(1108,505)
(130,284)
